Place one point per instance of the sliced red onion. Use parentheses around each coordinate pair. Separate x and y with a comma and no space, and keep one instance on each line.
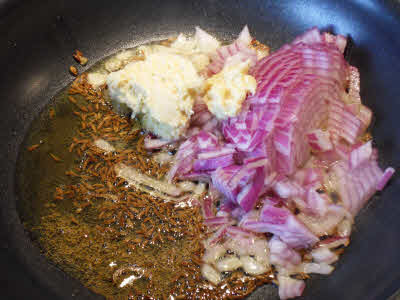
(343,123)
(239,244)
(269,181)
(221,179)
(356,186)
(252,215)
(289,287)
(344,227)
(312,69)
(227,149)
(284,224)
(188,186)
(240,49)
(316,268)
(213,253)
(274,201)
(248,196)
(207,140)
(196,176)
(311,36)
(217,221)
(253,163)
(334,242)
(385,178)
(251,266)
(188,151)
(217,235)
(211,164)
(324,255)
(245,36)
(226,208)
(360,155)
(317,203)
(133,176)
(242,184)
(322,225)
(242,177)
(281,254)
(260,250)
(300,106)
(365,115)
(211,274)
(207,207)
(247,132)
(286,188)
(238,232)
(228,263)
(238,213)
(319,140)
(184,157)
(205,41)
(309,176)
(312,203)
(151,144)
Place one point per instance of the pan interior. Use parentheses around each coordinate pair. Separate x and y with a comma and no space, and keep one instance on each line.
(41,38)
(94,226)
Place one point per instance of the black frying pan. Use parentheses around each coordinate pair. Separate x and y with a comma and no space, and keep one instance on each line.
(38,38)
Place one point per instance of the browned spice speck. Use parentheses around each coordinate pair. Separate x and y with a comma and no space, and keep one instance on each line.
(52,113)
(73,70)
(55,158)
(33,147)
(78,56)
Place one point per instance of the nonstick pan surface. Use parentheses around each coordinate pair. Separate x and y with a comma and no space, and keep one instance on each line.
(38,38)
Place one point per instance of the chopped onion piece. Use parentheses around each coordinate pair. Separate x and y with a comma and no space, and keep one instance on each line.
(334,242)
(344,227)
(252,266)
(289,287)
(240,47)
(187,186)
(131,175)
(385,178)
(360,155)
(324,255)
(205,41)
(285,225)
(211,274)
(151,144)
(319,140)
(213,253)
(282,254)
(229,263)
(320,268)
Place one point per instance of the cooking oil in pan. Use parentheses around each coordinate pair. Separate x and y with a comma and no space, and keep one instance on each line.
(119,241)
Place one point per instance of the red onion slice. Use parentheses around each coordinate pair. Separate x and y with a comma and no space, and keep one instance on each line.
(289,287)
(385,178)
